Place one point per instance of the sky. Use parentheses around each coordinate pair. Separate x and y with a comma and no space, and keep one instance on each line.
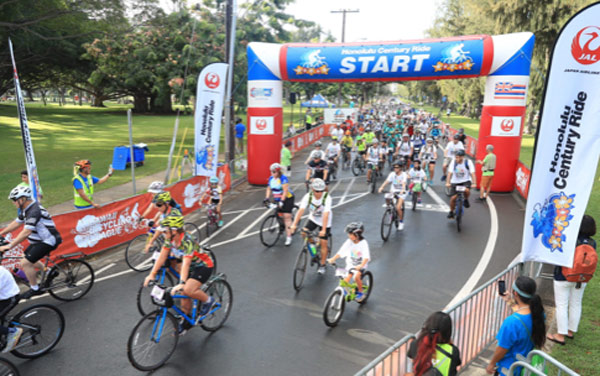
(377,20)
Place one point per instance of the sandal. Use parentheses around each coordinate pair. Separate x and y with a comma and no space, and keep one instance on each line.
(551,338)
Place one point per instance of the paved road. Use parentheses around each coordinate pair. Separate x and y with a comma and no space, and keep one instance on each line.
(272,329)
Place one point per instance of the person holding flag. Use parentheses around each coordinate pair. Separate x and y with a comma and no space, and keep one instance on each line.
(83,184)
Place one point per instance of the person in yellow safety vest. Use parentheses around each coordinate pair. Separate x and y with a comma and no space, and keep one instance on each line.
(433,353)
(83,184)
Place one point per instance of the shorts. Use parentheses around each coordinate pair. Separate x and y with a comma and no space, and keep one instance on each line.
(362,152)
(465,184)
(447,160)
(430,162)
(372,163)
(288,205)
(312,226)
(36,251)
(215,201)
(201,273)
(399,195)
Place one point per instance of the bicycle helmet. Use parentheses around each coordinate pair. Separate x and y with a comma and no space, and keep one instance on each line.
(83,163)
(348,133)
(18,192)
(156,187)
(355,228)
(213,180)
(456,137)
(460,153)
(161,198)
(275,167)
(375,141)
(461,130)
(318,185)
(317,155)
(173,221)
(318,143)
(334,138)
(429,139)
(405,135)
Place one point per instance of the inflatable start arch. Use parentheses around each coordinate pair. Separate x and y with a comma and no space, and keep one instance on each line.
(505,59)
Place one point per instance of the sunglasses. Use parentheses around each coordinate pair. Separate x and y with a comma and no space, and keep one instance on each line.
(158,205)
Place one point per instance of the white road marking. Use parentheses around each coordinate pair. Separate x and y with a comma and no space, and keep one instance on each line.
(256,221)
(96,272)
(484,260)
(437,199)
(224,227)
(346,191)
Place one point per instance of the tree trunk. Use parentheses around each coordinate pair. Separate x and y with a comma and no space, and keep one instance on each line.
(98,101)
(43,93)
(530,126)
(161,104)
(29,95)
(140,103)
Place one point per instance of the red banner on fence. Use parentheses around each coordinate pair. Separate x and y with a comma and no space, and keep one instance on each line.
(523,173)
(304,139)
(93,230)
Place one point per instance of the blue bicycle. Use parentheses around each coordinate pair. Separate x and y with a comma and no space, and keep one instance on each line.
(154,338)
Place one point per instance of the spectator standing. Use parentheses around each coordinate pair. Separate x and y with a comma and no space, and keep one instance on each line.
(286,159)
(308,119)
(433,347)
(25,183)
(522,331)
(240,129)
(487,172)
(83,184)
(291,130)
(567,295)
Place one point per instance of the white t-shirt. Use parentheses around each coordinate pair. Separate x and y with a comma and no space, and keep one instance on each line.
(428,153)
(8,286)
(339,133)
(373,154)
(333,150)
(423,127)
(355,253)
(397,182)
(417,176)
(460,173)
(317,208)
(404,147)
(452,148)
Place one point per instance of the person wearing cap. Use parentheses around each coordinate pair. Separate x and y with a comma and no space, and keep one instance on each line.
(429,155)
(286,158)
(318,145)
(240,129)
(308,119)
(83,184)
(279,187)
(336,131)
(450,152)
(460,172)
(398,180)
(372,158)
(488,164)
(333,152)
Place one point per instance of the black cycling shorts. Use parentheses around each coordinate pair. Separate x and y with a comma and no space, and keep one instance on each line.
(312,226)
(201,273)
(215,201)
(36,251)
(465,184)
(288,205)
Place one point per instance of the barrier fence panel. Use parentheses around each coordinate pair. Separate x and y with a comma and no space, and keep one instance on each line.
(476,320)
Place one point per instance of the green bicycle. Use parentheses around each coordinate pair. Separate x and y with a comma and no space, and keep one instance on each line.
(345,292)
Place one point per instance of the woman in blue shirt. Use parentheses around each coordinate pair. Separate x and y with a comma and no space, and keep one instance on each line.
(522,331)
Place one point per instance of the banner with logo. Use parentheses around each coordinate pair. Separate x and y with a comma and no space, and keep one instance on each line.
(207,119)
(567,145)
(338,115)
(34,181)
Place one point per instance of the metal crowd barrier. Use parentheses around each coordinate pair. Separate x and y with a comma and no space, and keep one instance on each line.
(476,320)
(540,370)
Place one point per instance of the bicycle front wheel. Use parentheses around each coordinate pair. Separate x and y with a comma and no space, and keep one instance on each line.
(386,224)
(373,181)
(193,230)
(152,340)
(43,326)
(70,280)
(220,290)
(270,230)
(334,308)
(459,212)
(448,191)
(7,368)
(415,198)
(300,269)
(135,257)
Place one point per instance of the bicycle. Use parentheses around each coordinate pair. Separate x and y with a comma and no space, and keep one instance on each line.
(332,168)
(374,176)
(43,326)
(358,165)
(345,292)
(155,336)
(390,215)
(7,368)
(141,261)
(459,205)
(168,276)
(67,279)
(346,159)
(212,218)
(273,225)
(312,247)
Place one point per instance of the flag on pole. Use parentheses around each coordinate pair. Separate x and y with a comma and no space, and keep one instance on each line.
(567,145)
(207,120)
(34,181)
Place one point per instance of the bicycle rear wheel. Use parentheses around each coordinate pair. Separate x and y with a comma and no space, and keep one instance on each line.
(135,257)
(334,308)
(386,224)
(270,230)
(459,212)
(70,280)
(220,290)
(356,170)
(43,326)
(153,340)
(300,269)
(144,300)
(7,368)
(367,280)
(373,181)
(193,230)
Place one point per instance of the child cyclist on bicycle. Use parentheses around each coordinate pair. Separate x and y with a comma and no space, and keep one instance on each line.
(195,270)
(355,251)
(215,193)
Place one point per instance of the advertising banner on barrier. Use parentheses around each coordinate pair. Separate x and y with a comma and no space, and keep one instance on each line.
(339,115)
(207,119)
(567,144)
(522,175)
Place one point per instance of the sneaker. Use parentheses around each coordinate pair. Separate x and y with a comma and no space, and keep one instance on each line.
(220,224)
(31,293)
(288,240)
(467,204)
(321,269)
(400,226)
(206,307)
(12,340)
(183,326)
(418,201)
(359,296)
(450,215)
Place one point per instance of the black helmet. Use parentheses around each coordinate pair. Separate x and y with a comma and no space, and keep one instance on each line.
(456,137)
(417,161)
(399,163)
(460,153)
(355,228)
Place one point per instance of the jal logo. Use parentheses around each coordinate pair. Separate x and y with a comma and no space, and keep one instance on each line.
(507,125)
(212,80)
(261,124)
(586,45)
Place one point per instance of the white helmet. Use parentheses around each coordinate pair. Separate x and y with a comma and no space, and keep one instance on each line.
(156,187)
(317,154)
(318,185)
(275,167)
(18,192)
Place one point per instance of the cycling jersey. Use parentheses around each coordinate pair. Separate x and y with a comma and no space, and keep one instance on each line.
(276,185)
(333,150)
(214,193)
(355,253)
(339,133)
(373,154)
(318,168)
(317,208)
(418,142)
(452,148)
(397,182)
(38,220)
(188,248)
(347,141)
(360,146)
(404,148)
(461,173)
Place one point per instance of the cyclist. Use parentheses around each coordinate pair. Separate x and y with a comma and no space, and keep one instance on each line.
(39,229)
(279,187)
(317,168)
(355,251)
(369,136)
(161,201)
(398,180)
(347,144)
(156,187)
(405,149)
(334,151)
(417,179)
(215,193)
(429,155)
(8,291)
(372,158)
(318,145)
(460,172)
(418,141)
(318,203)
(195,266)
(361,147)
(450,152)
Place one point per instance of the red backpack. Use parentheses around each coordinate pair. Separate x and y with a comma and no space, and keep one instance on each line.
(584,263)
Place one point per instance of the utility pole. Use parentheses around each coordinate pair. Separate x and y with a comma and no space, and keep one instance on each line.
(343,11)
(230,24)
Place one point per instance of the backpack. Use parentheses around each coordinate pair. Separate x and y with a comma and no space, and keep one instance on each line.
(584,263)
(310,196)
(433,370)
